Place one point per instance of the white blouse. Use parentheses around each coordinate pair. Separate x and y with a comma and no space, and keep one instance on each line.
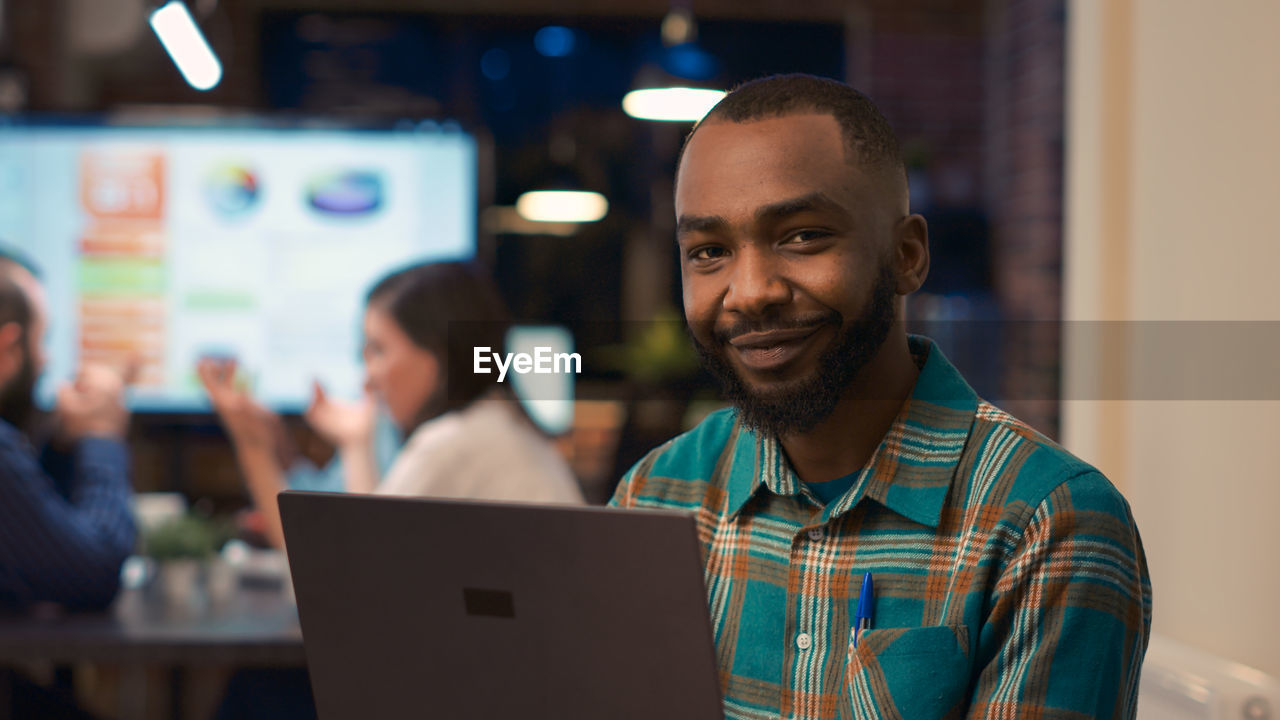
(485,451)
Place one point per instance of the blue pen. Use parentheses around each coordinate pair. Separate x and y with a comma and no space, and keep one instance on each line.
(866,601)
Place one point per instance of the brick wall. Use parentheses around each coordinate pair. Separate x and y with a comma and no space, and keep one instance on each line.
(926,74)
(975,91)
(1024,194)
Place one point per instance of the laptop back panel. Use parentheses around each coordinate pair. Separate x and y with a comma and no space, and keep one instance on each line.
(413,608)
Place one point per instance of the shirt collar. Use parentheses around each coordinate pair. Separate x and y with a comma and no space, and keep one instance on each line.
(910,471)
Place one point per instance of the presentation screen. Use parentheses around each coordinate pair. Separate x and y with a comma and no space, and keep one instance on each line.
(158,246)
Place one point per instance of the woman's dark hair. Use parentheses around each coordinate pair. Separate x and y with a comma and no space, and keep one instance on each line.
(447,309)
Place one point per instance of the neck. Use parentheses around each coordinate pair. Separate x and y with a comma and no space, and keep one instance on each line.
(845,440)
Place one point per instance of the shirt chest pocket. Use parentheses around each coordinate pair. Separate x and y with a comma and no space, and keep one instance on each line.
(919,673)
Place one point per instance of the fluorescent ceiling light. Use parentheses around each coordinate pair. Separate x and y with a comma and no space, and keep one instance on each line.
(185,43)
(562,206)
(675,103)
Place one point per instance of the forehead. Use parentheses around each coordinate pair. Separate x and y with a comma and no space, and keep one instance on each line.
(376,314)
(33,290)
(380,324)
(730,165)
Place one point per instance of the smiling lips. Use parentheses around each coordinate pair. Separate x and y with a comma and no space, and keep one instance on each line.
(772,349)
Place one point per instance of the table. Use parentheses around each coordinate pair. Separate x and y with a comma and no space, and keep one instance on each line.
(252,627)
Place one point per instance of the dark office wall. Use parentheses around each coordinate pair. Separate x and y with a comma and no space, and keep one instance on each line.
(974,88)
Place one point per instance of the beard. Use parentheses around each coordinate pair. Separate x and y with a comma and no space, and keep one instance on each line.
(797,406)
(17,397)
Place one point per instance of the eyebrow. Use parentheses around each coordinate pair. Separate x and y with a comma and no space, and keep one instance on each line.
(699,223)
(773,212)
(794,206)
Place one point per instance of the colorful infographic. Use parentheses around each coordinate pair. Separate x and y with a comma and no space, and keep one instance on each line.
(121,275)
(160,246)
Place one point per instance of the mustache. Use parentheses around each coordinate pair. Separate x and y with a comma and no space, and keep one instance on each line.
(813,320)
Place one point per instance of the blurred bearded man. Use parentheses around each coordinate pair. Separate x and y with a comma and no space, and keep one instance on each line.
(65,522)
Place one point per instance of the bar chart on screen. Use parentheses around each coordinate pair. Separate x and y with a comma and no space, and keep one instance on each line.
(121,279)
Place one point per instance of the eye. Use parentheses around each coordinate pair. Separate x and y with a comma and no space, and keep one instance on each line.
(706,253)
(805,236)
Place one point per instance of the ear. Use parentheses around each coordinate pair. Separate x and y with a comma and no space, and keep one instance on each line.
(11,356)
(911,253)
(435,369)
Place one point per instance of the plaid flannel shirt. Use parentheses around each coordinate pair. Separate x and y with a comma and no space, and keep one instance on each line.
(1010,580)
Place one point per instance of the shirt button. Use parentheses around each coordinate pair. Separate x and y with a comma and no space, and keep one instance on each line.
(816,534)
(803,641)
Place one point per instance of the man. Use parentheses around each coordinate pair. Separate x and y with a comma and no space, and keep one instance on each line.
(65,522)
(1009,579)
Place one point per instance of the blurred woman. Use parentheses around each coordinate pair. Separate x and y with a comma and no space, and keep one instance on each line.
(466,435)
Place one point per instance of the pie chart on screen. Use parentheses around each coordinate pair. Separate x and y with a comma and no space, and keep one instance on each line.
(232,190)
(349,192)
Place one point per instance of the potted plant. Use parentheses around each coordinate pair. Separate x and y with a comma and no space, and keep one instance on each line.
(180,549)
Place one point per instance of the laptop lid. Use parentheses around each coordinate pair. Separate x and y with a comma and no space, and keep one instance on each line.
(413,607)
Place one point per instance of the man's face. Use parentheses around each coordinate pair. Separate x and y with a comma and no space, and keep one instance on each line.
(39,321)
(16,396)
(786,261)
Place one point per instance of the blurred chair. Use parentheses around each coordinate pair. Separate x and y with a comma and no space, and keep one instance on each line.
(1182,683)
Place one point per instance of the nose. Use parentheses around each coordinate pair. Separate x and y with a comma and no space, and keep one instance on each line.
(756,284)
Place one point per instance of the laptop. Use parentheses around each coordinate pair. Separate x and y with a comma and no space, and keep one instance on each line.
(414,607)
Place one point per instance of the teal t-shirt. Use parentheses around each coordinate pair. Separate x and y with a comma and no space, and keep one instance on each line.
(831,490)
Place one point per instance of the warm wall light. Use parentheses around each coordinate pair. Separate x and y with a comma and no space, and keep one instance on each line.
(683,104)
(562,206)
(185,43)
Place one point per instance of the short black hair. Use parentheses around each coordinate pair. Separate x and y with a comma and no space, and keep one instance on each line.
(15,306)
(447,309)
(867,133)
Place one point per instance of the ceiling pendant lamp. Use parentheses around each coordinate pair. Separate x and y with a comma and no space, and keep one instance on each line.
(575,206)
(674,88)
